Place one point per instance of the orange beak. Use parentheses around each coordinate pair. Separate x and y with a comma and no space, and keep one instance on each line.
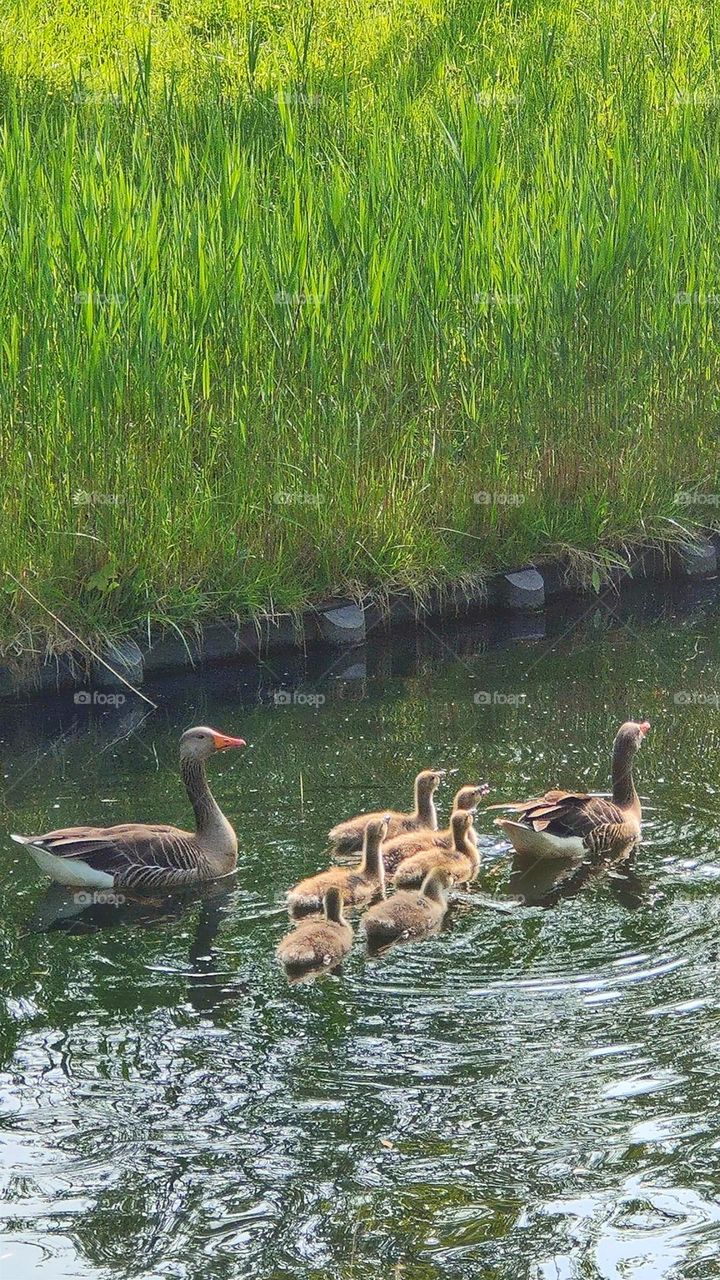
(222,742)
(644,727)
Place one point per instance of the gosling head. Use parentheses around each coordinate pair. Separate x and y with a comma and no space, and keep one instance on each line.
(428,781)
(201,742)
(470,796)
(375,833)
(333,905)
(461,822)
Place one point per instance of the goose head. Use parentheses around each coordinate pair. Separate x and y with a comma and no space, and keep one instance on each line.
(333,905)
(371,862)
(436,885)
(376,831)
(202,742)
(630,737)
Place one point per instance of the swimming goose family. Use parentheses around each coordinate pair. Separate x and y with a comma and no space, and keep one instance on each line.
(406,850)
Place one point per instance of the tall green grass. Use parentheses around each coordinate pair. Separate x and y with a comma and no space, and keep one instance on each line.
(296,298)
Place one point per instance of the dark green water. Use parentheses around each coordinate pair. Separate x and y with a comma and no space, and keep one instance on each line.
(534,1093)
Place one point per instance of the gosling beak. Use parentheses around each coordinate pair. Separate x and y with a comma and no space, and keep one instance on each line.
(222,742)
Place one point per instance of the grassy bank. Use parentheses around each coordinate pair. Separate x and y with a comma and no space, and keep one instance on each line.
(301,298)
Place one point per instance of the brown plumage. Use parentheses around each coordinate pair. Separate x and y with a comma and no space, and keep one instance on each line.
(348,836)
(462,861)
(409,913)
(146,857)
(321,941)
(573,824)
(357,885)
(401,847)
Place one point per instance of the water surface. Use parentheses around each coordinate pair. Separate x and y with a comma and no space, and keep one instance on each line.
(535,1092)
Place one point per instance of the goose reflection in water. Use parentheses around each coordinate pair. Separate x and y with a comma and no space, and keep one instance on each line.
(75,912)
(539,883)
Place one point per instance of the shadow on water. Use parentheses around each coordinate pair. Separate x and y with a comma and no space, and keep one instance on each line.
(78,912)
(86,911)
(546,884)
(531,1092)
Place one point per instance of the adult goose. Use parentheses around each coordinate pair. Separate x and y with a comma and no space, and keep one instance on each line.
(572,824)
(348,836)
(144,857)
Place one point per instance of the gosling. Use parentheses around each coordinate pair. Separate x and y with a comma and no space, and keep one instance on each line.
(358,885)
(401,847)
(462,862)
(346,837)
(409,914)
(320,942)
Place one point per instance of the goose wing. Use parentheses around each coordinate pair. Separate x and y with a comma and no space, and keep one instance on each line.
(566,813)
(136,854)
